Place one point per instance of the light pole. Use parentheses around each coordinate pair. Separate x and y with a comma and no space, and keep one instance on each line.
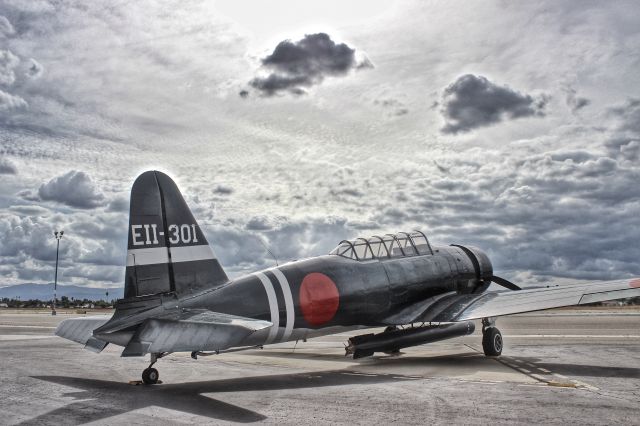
(58,236)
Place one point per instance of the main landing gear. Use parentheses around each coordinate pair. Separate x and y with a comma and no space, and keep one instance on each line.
(491,337)
(150,375)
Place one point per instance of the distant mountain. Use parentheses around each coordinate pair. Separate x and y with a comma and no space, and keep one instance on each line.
(45,292)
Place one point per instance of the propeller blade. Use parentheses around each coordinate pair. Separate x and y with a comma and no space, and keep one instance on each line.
(505,283)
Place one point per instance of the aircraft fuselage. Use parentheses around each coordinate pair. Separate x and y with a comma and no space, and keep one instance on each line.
(321,295)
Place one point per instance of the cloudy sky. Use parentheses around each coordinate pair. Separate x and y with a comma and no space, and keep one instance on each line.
(514,127)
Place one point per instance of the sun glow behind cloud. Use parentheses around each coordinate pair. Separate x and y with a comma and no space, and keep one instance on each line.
(271,22)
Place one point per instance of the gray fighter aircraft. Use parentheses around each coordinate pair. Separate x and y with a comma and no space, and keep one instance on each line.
(178,298)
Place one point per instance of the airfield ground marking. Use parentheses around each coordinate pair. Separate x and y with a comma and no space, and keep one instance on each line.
(26,326)
(355,373)
(560,379)
(563,381)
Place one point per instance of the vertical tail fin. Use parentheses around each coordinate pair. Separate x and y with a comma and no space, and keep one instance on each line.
(167,251)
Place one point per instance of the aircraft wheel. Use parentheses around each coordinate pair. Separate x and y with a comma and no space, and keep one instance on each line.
(492,341)
(150,376)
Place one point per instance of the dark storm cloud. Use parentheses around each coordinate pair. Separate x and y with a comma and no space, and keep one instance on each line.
(293,66)
(473,101)
(75,189)
(7,167)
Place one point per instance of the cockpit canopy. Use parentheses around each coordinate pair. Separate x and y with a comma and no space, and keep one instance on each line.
(391,245)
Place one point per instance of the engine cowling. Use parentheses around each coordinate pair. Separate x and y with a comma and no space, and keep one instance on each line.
(481,265)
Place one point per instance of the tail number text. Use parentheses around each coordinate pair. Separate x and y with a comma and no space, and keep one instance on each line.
(148,234)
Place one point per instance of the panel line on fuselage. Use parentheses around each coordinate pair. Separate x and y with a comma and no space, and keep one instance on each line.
(288,302)
(273,306)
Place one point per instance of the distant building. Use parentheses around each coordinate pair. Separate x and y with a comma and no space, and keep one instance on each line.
(614,303)
(3,305)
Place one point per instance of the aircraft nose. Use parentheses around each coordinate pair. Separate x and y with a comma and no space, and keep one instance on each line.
(480,260)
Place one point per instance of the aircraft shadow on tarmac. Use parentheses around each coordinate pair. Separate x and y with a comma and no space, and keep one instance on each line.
(400,359)
(101,399)
(586,370)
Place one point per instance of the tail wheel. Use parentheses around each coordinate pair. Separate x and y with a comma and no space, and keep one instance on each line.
(492,341)
(150,376)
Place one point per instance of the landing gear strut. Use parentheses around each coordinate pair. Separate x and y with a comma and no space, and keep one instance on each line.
(150,375)
(491,338)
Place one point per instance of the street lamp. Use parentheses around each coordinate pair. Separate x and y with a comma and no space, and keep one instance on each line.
(58,236)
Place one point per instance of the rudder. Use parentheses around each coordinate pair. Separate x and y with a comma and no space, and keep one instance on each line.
(167,251)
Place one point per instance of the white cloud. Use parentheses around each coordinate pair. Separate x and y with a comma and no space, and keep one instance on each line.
(35,69)
(6,29)
(10,102)
(7,167)
(75,189)
(8,62)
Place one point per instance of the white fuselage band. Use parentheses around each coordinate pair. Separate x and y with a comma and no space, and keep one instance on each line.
(151,256)
(273,306)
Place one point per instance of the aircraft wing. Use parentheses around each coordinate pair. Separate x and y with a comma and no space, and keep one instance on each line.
(194,330)
(452,307)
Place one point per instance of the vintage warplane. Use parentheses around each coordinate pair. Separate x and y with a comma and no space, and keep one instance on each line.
(179,299)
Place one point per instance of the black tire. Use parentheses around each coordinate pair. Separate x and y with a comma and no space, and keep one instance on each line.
(492,341)
(150,376)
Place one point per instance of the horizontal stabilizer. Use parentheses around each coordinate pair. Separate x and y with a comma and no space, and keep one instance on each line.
(80,330)
(95,345)
(195,330)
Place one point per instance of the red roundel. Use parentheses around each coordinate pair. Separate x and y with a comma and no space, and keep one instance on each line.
(319,298)
(634,283)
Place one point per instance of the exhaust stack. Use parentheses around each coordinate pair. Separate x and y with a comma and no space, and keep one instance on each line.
(389,341)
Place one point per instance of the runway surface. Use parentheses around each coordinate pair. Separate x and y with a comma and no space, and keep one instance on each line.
(557,368)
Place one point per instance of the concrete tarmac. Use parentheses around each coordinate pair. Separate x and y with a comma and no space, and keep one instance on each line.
(563,367)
